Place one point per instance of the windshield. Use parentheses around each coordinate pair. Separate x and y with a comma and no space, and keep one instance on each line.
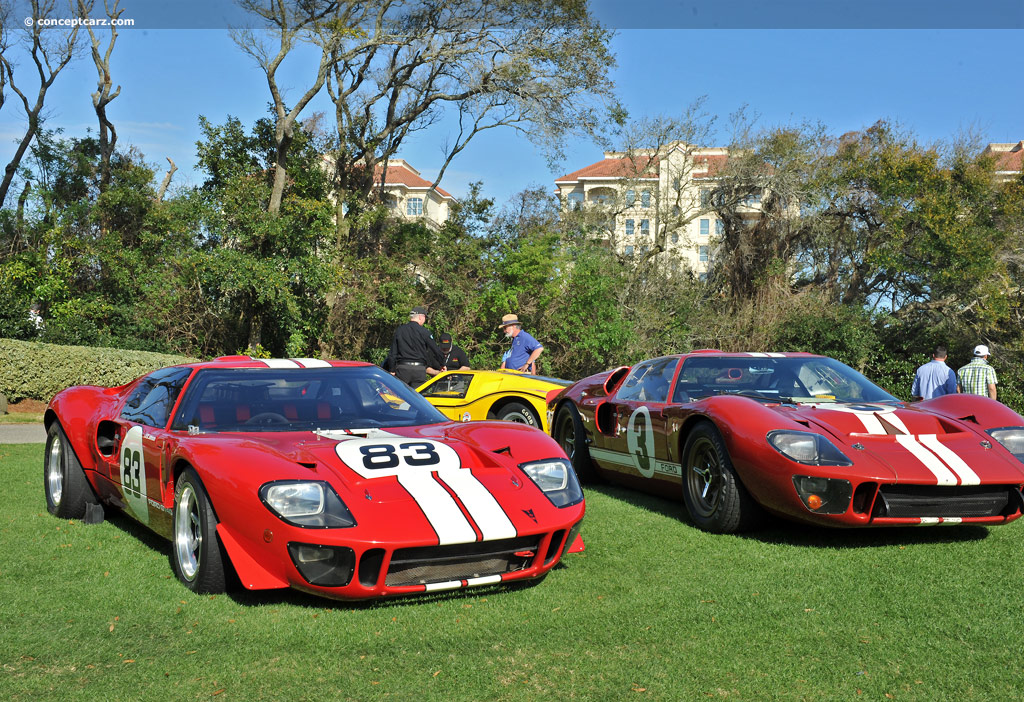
(802,379)
(300,399)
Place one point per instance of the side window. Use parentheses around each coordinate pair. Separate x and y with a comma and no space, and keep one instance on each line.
(152,400)
(455,385)
(649,381)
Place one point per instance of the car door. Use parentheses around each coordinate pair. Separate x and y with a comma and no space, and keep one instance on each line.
(143,438)
(633,429)
(640,415)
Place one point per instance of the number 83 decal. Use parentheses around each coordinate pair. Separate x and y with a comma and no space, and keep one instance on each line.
(377,458)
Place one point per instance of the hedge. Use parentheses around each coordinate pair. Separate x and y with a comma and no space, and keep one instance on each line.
(38,371)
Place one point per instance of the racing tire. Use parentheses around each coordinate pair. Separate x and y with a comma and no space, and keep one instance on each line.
(715,499)
(68,492)
(571,437)
(196,552)
(519,413)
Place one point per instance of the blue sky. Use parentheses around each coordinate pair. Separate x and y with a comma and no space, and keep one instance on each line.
(924,66)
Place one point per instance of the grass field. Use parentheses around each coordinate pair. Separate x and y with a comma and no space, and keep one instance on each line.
(654,609)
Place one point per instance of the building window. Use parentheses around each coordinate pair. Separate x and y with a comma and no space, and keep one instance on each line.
(705,227)
(705,198)
(675,238)
(645,227)
(703,277)
(719,227)
(630,197)
(414,206)
(575,201)
(629,250)
(629,227)
(752,200)
(645,198)
(703,250)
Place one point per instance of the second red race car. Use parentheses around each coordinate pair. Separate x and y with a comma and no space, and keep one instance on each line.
(802,436)
(330,477)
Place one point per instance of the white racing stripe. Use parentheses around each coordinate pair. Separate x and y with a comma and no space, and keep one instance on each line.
(895,420)
(279,363)
(481,505)
(470,582)
(312,363)
(957,464)
(871,424)
(419,465)
(943,474)
(438,507)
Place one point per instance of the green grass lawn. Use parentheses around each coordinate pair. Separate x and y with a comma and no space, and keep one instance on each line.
(653,609)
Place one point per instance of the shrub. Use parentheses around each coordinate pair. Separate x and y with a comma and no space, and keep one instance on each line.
(38,371)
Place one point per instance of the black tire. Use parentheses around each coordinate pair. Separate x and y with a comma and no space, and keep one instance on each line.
(569,433)
(517,412)
(715,498)
(196,553)
(68,492)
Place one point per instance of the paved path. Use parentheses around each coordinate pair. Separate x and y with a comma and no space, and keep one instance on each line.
(22,434)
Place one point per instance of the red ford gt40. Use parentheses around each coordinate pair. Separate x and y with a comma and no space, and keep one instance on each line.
(329,477)
(802,436)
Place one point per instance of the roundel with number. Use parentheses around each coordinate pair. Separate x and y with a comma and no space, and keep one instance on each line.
(133,474)
(640,440)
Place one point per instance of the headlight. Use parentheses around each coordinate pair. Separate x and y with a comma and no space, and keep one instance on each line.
(556,479)
(807,448)
(306,504)
(1012,439)
(823,495)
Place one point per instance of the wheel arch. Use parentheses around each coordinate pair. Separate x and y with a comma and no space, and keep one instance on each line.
(533,403)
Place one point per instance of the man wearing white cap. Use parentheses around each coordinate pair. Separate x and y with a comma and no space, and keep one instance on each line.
(978,377)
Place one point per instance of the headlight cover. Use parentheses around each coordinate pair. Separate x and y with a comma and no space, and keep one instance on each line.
(807,448)
(556,479)
(1012,439)
(823,495)
(308,504)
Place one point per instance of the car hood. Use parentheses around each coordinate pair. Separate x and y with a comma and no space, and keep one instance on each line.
(378,465)
(916,445)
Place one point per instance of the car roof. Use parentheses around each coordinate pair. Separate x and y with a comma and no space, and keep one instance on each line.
(749,354)
(250,362)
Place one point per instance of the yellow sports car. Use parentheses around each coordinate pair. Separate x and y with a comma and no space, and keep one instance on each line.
(487,394)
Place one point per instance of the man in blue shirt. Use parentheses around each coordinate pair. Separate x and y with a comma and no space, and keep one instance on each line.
(934,378)
(525,349)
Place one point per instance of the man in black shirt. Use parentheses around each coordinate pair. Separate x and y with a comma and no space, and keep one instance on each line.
(452,356)
(413,351)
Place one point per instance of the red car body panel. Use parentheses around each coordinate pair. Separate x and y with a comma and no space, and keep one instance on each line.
(233,465)
(940,442)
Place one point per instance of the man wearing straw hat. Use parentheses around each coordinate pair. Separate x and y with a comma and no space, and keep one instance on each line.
(525,349)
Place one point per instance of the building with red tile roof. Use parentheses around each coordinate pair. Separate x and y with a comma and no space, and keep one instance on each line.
(654,197)
(1009,159)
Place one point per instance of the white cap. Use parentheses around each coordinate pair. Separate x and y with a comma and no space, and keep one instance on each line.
(981,350)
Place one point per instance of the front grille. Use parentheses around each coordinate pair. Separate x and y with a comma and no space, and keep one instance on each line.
(438,564)
(964,501)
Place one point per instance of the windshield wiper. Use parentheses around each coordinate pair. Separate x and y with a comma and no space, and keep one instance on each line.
(755,395)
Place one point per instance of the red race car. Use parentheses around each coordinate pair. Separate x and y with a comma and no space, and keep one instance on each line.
(801,436)
(329,477)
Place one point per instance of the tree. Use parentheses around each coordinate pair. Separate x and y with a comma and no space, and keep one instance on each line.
(537,66)
(51,49)
(319,22)
(103,96)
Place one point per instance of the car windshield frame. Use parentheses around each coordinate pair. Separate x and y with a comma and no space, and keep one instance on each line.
(784,379)
(257,400)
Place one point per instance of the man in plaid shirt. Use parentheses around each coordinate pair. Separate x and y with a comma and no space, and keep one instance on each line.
(978,377)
